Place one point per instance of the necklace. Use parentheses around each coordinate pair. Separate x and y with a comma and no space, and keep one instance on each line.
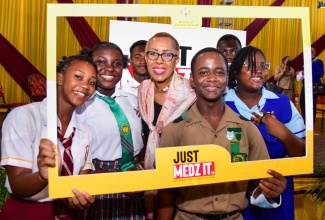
(165,89)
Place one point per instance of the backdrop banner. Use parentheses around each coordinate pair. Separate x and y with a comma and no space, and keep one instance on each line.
(125,33)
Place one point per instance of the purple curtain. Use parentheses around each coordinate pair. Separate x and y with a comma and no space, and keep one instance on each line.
(84,33)
(15,63)
(256,26)
(205,21)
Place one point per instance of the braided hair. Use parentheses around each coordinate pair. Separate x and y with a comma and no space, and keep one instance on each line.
(248,52)
(66,62)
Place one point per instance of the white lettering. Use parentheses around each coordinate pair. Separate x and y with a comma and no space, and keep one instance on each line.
(197,173)
(208,165)
(185,170)
(193,170)
(178,172)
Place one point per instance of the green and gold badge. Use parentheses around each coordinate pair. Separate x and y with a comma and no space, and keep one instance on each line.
(125,128)
(235,135)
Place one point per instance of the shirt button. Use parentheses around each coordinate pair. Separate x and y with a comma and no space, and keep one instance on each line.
(216,199)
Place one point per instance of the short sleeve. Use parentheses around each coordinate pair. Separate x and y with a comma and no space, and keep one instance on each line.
(18,135)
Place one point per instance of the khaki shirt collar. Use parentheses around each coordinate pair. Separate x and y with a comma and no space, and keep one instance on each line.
(194,116)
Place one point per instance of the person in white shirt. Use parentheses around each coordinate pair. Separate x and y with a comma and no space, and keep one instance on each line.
(27,152)
(117,140)
(139,67)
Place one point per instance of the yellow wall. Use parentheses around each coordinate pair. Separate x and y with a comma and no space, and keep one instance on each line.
(23,23)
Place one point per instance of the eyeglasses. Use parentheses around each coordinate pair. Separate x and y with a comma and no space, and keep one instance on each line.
(152,55)
(261,65)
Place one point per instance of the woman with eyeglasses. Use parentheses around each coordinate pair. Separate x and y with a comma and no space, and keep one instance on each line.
(163,98)
(279,122)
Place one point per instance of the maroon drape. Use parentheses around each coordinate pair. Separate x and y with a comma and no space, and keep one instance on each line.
(205,21)
(256,26)
(298,61)
(318,45)
(84,33)
(15,63)
(124,2)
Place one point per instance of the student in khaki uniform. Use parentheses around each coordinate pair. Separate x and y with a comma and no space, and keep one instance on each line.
(207,122)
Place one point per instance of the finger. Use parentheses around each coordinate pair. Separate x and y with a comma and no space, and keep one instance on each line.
(46,148)
(46,153)
(276,175)
(271,193)
(82,200)
(72,203)
(256,115)
(46,143)
(46,157)
(46,161)
(273,186)
(255,120)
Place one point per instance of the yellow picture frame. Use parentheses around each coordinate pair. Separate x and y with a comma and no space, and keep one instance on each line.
(182,16)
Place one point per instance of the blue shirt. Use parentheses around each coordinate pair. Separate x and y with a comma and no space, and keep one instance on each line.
(295,125)
(317,68)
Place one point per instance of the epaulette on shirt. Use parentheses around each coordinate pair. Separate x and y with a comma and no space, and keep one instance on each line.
(180,118)
(243,118)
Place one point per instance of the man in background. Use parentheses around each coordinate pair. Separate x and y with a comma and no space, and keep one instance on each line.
(229,45)
(139,66)
(317,66)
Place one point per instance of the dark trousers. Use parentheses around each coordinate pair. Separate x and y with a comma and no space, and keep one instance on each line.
(302,104)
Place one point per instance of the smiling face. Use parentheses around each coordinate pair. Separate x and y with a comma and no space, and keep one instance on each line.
(209,76)
(138,62)
(252,81)
(229,48)
(159,69)
(77,83)
(109,63)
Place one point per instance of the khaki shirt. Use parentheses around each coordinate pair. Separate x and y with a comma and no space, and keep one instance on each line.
(217,198)
(286,80)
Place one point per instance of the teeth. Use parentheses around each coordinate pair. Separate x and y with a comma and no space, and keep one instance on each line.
(79,93)
(159,70)
(107,77)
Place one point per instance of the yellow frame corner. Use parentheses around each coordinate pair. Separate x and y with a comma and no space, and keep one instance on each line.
(162,177)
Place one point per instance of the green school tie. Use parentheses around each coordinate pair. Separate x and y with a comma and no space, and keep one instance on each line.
(125,132)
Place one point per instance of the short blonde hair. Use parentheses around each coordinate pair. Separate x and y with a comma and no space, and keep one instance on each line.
(165,34)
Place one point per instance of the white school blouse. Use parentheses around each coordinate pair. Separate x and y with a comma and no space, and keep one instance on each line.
(97,115)
(131,87)
(22,131)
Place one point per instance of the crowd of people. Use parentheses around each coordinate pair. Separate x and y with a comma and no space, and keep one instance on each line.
(102,128)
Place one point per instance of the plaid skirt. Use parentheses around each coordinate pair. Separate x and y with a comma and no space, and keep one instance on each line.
(115,206)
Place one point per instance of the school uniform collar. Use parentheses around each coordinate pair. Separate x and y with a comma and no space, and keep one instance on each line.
(232,97)
(120,93)
(194,116)
(117,93)
(73,122)
(134,84)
